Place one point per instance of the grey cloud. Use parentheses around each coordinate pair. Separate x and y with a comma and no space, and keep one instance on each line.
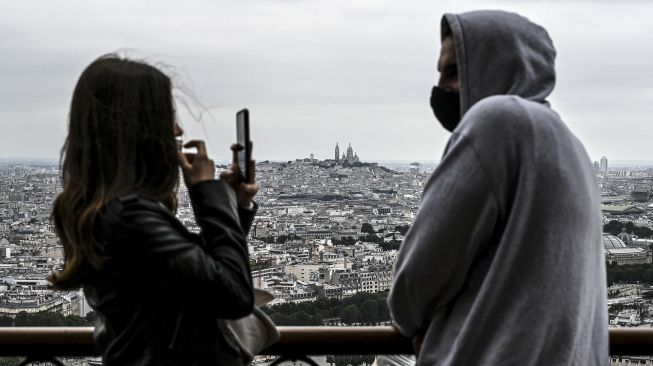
(316,72)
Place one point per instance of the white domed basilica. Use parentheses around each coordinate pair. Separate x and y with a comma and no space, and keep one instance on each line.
(350,157)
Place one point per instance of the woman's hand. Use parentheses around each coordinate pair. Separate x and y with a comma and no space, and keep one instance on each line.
(244,191)
(196,167)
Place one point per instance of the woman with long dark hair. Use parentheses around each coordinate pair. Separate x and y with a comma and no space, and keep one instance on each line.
(161,293)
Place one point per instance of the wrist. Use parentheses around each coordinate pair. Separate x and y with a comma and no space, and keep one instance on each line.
(214,191)
(193,182)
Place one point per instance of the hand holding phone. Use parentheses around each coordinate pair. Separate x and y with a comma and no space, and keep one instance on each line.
(242,176)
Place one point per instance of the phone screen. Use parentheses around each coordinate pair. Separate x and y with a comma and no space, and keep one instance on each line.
(242,139)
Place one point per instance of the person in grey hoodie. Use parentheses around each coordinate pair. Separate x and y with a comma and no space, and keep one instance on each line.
(504,262)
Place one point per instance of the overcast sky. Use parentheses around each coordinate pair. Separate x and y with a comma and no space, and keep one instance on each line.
(314,73)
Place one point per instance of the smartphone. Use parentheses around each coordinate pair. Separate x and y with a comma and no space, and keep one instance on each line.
(244,153)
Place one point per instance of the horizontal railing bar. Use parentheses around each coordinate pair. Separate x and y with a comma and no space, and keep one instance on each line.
(78,341)
(47,341)
(631,341)
(339,340)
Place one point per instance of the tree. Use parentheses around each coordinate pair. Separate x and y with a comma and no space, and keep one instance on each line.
(391,245)
(6,321)
(316,319)
(10,361)
(365,359)
(384,312)
(75,321)
(330,359)
(49,319)
(353,360)
(349,240)
(342,360)
(630,227)
(299,318)
(346,309)
(371,238)
(370,311)
(350,314)
(280,319)
(402,229)
(613,227)
(643,232)
(367,228)
(629,273)
(345,240)
(90,317)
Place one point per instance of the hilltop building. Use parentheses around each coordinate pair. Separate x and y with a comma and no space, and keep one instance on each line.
(349,157)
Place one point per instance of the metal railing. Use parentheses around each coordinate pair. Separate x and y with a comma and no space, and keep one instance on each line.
(48,342)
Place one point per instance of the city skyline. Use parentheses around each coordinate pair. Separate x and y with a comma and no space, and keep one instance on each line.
(323,231)
(613,164)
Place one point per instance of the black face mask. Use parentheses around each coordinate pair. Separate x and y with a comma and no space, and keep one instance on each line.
(446,107)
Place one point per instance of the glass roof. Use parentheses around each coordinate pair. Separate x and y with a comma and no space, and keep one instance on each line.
(612,242)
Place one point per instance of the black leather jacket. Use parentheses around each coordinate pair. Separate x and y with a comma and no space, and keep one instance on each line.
(163,293)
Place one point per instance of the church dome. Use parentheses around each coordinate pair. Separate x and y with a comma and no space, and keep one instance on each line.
(612,242)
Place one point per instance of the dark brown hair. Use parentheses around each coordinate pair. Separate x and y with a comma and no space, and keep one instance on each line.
(120,140)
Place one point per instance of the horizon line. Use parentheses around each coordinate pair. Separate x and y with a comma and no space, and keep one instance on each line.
(613,163)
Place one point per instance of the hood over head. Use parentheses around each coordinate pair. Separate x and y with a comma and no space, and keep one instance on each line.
(500,53)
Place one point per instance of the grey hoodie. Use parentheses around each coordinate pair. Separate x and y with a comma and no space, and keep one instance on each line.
(504,263)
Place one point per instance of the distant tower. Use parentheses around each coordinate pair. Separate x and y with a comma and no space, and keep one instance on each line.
(312,156)
(337,152)
(350,153)
(625,236)
(414,167)
(604,165)
(597,167)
